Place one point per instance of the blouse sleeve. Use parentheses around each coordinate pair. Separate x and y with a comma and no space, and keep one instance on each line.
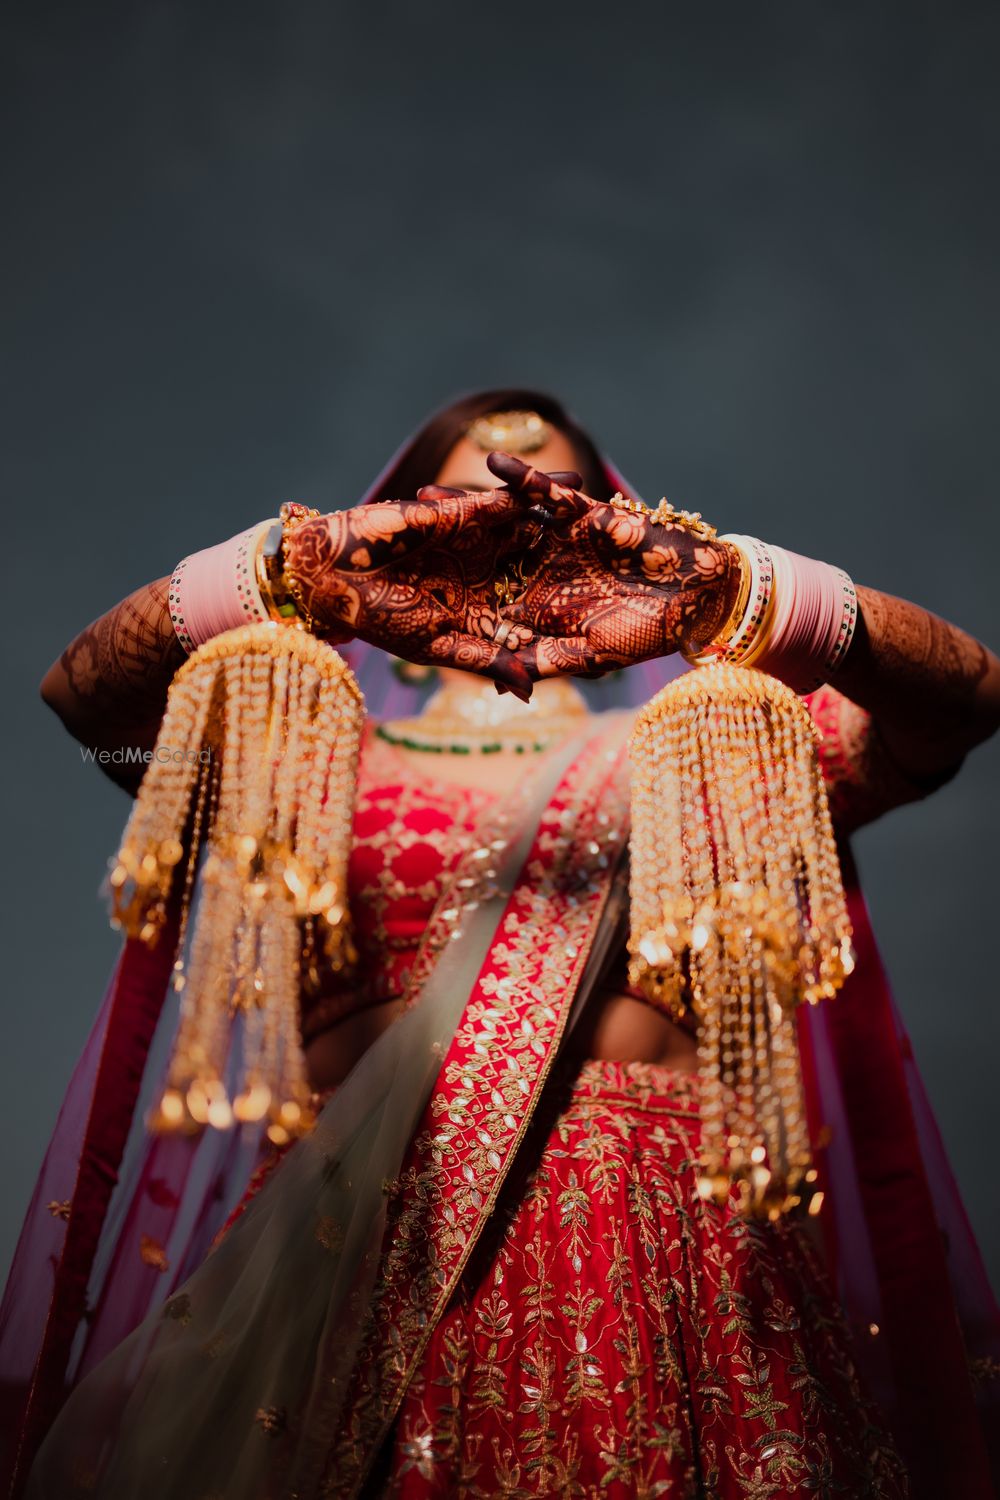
(862,779)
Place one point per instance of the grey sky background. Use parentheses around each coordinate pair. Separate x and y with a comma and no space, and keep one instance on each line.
(247,247)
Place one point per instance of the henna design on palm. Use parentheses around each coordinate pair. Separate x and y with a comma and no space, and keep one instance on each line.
(417,577)
(612,587)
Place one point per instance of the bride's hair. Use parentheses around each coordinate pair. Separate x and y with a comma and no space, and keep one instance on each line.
(425,454)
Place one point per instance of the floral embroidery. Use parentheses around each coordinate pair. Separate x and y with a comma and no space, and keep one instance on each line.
(984,1369)
(678,1360)
(615,1336)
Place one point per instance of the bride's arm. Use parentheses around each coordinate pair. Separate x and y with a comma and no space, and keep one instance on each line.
(109,686)
(413,576)
(912,697)
(932,690)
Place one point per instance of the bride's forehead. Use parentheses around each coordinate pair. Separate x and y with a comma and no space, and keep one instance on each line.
(466,468)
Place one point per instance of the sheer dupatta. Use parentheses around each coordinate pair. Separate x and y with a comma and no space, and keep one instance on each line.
(899,1244)
(245,1382)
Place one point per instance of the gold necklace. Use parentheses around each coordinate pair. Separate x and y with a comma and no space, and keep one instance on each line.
(466,719)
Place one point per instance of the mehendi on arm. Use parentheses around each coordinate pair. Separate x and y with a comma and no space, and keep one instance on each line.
(932,690)
(109,687)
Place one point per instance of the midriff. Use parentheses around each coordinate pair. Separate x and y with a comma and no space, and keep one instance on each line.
(615,1026)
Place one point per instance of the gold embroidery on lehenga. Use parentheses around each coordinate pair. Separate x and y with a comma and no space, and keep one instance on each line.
(610,1356)
(491,1076)
(527,1378)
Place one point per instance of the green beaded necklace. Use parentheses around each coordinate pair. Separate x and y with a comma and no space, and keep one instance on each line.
(444,747)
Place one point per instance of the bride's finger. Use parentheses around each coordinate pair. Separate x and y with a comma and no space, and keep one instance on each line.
(387,530)
(470,653)
(546,489)
(562,656)
(438,492)
(569,477)
(439,517)
(506,633)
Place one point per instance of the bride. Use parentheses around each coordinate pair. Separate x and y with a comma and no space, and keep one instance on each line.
(490,1268)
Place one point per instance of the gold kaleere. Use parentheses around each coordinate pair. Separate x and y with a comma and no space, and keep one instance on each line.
(738,913)
(255,769)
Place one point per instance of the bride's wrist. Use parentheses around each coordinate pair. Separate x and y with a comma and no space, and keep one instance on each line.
(307,575)
(721,603)
(246,580)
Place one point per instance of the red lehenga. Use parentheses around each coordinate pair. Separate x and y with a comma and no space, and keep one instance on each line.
(614,1335)
(611,1333)
(552,1309)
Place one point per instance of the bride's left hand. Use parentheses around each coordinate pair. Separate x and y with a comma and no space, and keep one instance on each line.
(608,586)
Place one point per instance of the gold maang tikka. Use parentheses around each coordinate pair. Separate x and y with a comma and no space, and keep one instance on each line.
(509,432)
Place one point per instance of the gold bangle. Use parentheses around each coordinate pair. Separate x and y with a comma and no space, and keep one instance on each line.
(268,578)
(274,578)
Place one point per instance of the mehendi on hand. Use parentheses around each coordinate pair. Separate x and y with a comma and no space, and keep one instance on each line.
(614,586)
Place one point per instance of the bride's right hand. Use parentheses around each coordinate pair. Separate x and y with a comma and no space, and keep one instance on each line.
(416,577)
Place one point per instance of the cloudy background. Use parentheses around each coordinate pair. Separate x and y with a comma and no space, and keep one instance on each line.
(246,247)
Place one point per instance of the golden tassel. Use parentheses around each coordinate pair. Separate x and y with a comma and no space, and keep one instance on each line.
(257,758)
(738,913)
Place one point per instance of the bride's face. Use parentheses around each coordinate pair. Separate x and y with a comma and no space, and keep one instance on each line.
(465,467)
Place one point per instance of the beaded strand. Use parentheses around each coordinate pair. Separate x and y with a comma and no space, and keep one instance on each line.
(738,914)
(264,726)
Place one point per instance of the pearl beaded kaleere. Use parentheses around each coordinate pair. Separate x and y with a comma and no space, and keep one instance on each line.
(738,910)
(258,749)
